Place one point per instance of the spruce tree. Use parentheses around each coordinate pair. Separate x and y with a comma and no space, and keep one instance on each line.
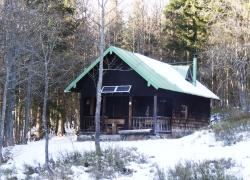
(186,27)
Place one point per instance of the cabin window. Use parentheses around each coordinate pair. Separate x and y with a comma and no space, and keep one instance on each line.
(184,111)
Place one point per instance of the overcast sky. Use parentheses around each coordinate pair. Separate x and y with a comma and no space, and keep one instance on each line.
(127,5)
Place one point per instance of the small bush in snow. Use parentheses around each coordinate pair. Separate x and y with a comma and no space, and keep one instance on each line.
(8,173)
(7,155)
(35,172)
(209,169)
(114,161)
(75,158)
(227,131)
(160,174)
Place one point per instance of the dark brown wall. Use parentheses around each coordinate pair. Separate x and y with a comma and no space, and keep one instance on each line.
(115,78)
(197,115)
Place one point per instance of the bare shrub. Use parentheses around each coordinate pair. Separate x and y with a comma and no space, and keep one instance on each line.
(209,169)
(113,161)
(228,130)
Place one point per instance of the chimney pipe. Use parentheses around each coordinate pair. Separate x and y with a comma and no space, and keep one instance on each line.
(194,70)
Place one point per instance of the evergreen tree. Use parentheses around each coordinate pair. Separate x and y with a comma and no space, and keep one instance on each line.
(186,27)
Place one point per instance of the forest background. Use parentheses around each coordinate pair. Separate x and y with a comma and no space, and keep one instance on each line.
(45,44)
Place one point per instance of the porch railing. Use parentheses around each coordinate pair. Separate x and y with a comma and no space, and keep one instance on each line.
(163,124)
(89,123)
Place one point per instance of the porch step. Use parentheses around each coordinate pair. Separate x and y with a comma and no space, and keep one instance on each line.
(135,131)
(103,137)
(135,134)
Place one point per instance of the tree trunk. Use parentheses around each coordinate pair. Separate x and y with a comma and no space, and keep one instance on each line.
(9,59)
(27,108)
(60,125)
(9,138)
(100,78)
(5,91)
(60,122)
(44,116)
(242,91)
(38,133)
(18,118)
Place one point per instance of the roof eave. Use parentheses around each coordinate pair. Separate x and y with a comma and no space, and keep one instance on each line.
(73,83)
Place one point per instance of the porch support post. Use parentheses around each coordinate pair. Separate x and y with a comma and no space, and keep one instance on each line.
(155,114)
(82,123)
(130,106)
(103,113)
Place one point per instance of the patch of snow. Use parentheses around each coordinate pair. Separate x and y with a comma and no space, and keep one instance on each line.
(80,172)
(166,153)
(141,171)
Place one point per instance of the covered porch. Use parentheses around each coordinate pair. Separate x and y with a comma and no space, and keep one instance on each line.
(123,112)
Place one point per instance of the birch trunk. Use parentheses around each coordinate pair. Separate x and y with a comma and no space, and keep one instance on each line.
(44,115)
(100,78)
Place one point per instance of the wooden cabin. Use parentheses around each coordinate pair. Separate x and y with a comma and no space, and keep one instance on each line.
(142,93)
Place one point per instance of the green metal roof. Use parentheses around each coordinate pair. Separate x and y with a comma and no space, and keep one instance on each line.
(156,73)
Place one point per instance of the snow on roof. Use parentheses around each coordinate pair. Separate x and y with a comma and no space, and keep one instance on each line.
(182,69)
(171,75)
(156,73)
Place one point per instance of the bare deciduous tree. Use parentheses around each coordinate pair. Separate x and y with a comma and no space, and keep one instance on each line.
(102,5)
(229,56)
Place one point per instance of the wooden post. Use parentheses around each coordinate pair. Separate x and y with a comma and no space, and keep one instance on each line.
(82,123)
(103,105)
(155,114)
(103,113)
(130,105)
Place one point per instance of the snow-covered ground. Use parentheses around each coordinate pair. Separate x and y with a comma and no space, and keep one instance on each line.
(164,152)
